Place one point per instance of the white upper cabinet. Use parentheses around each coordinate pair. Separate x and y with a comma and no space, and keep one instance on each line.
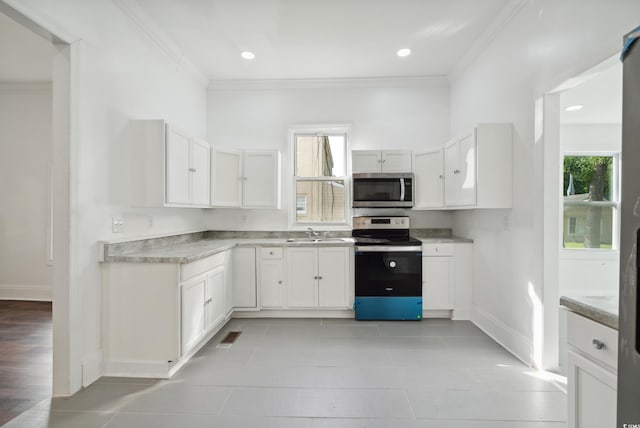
(247,179)
(460,171)
(178,148)
(200,171)
(478,168)
(167,167)
(428,170)
(363,161)
(226,178)
(261,179)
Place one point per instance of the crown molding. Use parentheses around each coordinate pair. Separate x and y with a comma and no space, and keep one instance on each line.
(156,35)
(346,83)
(506,15)
(36,21)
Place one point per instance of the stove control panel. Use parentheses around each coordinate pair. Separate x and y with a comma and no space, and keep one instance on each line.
(379,222)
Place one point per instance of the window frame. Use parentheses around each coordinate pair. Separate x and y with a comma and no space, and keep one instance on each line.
(615,204)
(320,130)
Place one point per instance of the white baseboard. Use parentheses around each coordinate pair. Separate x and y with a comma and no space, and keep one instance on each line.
(292,313)
(91,367)
(513,341)
(136,368)
(25,292)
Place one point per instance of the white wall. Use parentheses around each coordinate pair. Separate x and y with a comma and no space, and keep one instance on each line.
(25,145)
(545,43)
(383,114)
(118,74)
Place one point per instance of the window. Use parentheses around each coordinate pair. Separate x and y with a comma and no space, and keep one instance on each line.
(319,178)
(590,201)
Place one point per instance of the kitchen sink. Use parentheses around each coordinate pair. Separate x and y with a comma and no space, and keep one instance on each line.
(319,240)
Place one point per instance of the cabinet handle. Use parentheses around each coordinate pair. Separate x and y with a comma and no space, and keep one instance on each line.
(271,253)
(279,282)
(192,169)
(440,176)
(597,344)
(244,178)
(456,171)
(319,277)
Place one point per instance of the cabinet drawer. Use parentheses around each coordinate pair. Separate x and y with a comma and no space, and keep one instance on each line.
(271,253)
(198,267)
(429,249)
(582,333)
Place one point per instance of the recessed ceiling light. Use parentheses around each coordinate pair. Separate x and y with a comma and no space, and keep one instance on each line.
(575,107)
(248,55)
(404,52)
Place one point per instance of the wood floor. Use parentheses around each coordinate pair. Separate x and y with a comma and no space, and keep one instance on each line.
(25,356)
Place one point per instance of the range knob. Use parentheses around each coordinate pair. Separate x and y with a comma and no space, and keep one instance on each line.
(392,264)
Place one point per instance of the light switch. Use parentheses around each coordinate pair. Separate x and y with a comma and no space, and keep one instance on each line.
(117,225)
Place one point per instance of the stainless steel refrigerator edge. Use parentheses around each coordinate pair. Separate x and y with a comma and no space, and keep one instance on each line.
(628,342)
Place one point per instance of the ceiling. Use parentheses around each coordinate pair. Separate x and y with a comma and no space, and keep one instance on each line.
(600,95)
(26,57)
(303,39)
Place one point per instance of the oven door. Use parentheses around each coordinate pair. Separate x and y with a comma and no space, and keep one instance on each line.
(385,271)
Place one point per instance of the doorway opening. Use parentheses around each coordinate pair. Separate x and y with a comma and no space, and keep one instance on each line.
(583,134)
(35,140)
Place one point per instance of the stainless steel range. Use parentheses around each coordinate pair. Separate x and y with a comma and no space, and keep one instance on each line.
(388,265)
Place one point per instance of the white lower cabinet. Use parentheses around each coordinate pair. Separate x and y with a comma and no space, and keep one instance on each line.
(156,315)
(194,326)
(244,278)
(446,279)
(271,277)
(592,373)
(318,277)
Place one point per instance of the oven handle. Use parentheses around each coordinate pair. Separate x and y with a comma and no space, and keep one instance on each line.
(387,249)
(402,191)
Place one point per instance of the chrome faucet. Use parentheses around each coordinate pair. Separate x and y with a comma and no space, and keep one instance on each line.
(312,233)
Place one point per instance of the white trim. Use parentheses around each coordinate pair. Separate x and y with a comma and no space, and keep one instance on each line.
(134,368)
(37,21)
(92,367)
(155,34)
(374,82)
(289,313)
(481,43)
(26,292)
(513,341)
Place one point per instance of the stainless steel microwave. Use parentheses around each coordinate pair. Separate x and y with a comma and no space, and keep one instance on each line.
(383,190)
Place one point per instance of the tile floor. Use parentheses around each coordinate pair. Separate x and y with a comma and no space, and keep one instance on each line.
(325,373)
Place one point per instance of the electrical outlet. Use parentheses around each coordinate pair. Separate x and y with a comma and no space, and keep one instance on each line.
(117,225)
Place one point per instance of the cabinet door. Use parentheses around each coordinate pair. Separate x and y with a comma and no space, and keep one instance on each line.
(271,283)
(260,187)
(366,161)
(200,172)
(177,167)
(226,178)
(193,313)
(396,161)
(451,173)
(467,175)
(302,274)
(591,394)
(244,278)
(215,304)
(333,277)
(428,169)
(437,290)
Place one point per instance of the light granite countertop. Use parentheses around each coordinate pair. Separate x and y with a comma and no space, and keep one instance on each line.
(189,247)
(601,309)
(187,252)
